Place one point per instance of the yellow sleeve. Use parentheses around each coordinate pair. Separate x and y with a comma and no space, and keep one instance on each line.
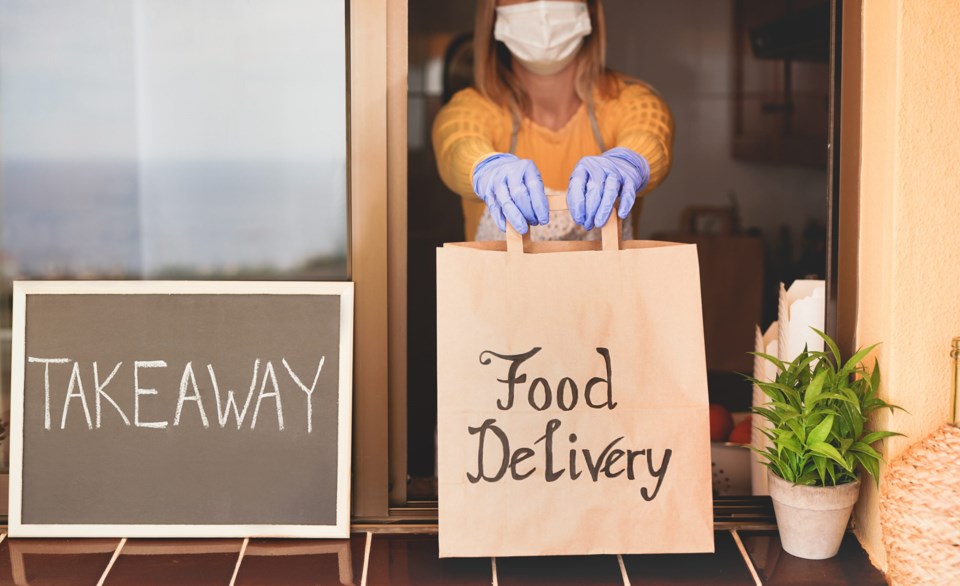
(643,123)
(464,132)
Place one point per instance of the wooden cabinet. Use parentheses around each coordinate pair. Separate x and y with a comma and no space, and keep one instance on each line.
(782,81)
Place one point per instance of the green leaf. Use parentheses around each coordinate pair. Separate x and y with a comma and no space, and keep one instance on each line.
(767,452)
(865,449)
(770,391)
(852,397)
(789,393)
(821,463)
(874,404)
(816,385)
(879,435)
(825,449)
(856,421)
(772,359)
(805,362)
(790,442)
(821,432)
(869,464)
(785,407)
(830,344)
(803,378)
(874,380)
(850,459)
(856,358)
(833,476)
(833,397)
(780,468)
(768,414)
(797,428)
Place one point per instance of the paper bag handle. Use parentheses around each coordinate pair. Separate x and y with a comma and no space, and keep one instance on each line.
(610,234)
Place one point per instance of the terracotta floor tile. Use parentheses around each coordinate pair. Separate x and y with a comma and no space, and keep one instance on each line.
(413,560)
(597,570)
(724,567)
(778,568)
(54,562)
(175,562)
(306,562)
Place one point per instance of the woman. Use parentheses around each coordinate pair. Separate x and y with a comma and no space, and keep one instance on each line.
(545,111)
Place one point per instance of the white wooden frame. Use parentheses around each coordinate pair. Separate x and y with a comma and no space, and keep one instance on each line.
(21,289)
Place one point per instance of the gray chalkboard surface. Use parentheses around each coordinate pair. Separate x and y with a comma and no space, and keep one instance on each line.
(181,409)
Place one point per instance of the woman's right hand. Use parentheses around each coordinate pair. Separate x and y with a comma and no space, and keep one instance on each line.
(513,191)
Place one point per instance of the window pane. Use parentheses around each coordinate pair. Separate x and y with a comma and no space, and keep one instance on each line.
(171,139)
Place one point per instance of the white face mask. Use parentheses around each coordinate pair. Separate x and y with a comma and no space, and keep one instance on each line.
(544,36)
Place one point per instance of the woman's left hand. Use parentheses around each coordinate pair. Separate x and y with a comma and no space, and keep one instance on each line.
(597,182)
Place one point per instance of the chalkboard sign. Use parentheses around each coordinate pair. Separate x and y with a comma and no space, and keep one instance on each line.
(181,409)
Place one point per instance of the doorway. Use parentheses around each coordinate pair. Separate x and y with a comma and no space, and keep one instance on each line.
(748,82)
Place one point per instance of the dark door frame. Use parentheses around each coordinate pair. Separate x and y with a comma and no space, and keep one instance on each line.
(842,200)
(843,173)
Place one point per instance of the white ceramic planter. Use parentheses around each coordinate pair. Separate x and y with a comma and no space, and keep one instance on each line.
(812,519)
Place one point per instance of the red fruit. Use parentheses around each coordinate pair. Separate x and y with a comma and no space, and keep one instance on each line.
(741,432)
(721,423)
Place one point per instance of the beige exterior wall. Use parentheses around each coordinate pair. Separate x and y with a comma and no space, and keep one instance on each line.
(909,260)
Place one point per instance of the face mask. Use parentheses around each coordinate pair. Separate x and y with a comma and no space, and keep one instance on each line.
(543,36)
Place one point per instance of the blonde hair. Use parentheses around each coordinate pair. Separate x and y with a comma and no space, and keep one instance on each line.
(494,78)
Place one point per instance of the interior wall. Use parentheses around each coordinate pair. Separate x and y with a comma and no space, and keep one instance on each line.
(909,261)
(685,49)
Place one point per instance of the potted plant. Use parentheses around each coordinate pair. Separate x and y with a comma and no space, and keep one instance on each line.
(818,411)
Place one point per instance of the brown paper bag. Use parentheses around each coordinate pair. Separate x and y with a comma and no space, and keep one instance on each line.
(572,407)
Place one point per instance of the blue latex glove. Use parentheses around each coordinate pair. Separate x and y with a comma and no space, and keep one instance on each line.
(513,190)
(597,182)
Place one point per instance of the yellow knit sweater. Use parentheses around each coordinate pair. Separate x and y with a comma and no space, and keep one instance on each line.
(471,127)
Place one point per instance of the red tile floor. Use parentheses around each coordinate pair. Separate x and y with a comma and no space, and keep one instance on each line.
(386,559)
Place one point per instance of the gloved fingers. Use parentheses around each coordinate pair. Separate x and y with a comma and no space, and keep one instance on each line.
(541,207)
(611,190)
(576,194)
(488,171)
(521,198)
(496,213)
(481,186)
(500,220)
(628,195)
(594,194)
(513,215)
(510,209)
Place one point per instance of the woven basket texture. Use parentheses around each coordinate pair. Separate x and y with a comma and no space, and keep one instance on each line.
(920,512)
